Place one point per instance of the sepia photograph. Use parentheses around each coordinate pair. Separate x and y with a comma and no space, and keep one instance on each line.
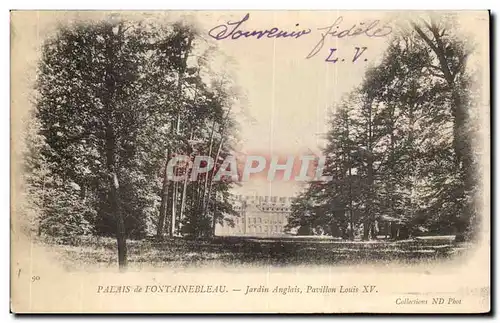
(250,161)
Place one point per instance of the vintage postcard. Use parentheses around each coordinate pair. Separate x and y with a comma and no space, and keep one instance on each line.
(250,162)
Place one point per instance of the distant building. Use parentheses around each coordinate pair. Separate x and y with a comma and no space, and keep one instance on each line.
(258,216)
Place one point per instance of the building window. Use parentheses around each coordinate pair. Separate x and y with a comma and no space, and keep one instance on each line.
(259,229)
(260,220)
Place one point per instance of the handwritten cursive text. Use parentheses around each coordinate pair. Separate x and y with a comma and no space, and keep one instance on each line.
(232,30)
(369,29)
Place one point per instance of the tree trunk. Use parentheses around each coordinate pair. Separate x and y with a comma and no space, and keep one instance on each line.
(183,197)
(205,185)
(222,131)
(109,102)
(214,222)
(351,206)
(369,156)
(120,224)
(185,184)
(114,198)
(366,228)
(461,139)
(174,191)
(349,165)
(163,204)
(374,230)
(174,206)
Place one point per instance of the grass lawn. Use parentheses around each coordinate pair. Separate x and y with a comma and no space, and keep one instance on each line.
(257,251)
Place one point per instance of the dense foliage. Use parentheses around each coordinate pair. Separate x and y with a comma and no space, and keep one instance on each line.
(115,101)
(399,147)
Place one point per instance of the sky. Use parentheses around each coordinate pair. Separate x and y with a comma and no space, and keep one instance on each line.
(289,98)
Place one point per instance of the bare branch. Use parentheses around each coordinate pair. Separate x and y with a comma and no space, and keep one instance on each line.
(424,37)
(438,49)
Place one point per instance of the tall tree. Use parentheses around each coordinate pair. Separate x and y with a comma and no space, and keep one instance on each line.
(401,155)
(450,55)
(93,113)
(115,101)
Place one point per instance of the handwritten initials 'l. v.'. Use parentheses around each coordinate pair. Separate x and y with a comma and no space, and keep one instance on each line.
(330,58)
(358,54)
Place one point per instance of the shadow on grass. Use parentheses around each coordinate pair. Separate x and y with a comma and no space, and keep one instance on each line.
(255,251)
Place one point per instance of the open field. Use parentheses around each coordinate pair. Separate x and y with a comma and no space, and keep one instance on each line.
(257,251)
